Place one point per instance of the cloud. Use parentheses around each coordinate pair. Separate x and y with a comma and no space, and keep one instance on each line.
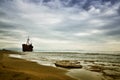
(63,24)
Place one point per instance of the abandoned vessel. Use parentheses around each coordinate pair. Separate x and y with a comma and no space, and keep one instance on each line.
(28,46)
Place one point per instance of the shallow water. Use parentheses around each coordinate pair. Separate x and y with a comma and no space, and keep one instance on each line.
(82,74)
(104,61)
(48,58)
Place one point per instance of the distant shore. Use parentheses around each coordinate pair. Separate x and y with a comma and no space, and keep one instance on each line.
(19,69)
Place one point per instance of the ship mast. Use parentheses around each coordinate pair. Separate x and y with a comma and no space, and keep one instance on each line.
(28,41)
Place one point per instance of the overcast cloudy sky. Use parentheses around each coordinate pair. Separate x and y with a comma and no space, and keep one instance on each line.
(61,24)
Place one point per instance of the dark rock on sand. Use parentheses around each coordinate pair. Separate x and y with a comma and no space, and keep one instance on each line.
(68,64)
(111,73)
(95,68)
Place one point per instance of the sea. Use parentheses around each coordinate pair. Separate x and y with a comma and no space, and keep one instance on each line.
(107,64)
(49,58)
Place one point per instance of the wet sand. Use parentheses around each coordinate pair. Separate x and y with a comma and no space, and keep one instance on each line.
(82,74)
(18,69)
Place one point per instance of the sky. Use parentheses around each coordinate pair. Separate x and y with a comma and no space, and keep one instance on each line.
(61,24)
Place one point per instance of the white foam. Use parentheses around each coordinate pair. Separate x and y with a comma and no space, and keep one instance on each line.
(15,55)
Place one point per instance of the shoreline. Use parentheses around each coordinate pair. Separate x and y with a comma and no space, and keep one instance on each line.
(77,74)
(19,69)
(91,70)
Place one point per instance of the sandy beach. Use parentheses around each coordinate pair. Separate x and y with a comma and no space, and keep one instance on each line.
(13,68)
(18,69)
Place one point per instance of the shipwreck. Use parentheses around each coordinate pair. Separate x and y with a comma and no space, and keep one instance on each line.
(28,46)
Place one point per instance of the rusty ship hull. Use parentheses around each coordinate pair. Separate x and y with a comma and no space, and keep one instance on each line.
(26,47)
